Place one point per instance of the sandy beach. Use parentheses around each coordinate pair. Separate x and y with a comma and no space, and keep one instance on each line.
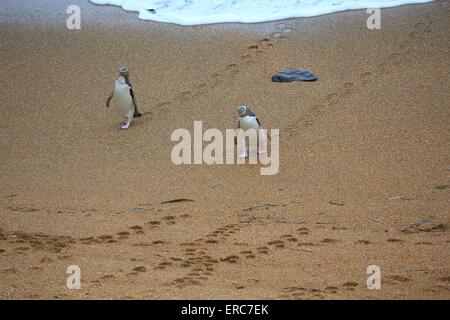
(364,157)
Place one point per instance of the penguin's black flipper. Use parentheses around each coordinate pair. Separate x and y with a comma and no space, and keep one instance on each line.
(137,114)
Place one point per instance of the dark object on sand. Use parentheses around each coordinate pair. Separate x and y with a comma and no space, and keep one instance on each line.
(151,10)
(418,224)
(290,75)
(175,201)
(264,206)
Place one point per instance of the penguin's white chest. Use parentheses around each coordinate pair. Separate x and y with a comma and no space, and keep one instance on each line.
(248,123)
(122,100)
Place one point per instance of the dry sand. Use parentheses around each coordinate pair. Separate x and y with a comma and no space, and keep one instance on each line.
(364,152)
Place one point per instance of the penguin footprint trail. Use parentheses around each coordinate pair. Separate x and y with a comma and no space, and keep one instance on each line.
(346,90)
(251,57)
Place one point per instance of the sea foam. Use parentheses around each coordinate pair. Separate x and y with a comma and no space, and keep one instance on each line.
(195,12)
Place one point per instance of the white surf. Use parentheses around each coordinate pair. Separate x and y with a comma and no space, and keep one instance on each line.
(195,12)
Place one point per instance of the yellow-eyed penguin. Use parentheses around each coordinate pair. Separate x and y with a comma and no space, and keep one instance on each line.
(123,101)
(246,119)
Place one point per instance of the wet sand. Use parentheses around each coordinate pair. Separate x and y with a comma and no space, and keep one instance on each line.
(364,153)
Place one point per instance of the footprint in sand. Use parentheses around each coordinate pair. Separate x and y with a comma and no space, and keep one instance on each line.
(303,230)
(394,240)
(350,285)
(257,49)
(141,244)
(216,80)
(248,254)
(202,87)
(184,282)
(185,96)
(277,35)
(424,243)
(423,27)
(140,269)
(262,250)
(232,69)
(170,220)
(200,266)
(285,27)
(137,229)
(163,265)
(347,90)
(123,234)
(200,90)
(266,43)
(398,278)
(163,105)
(306,244)
(292,130)
(299,293)
(153,223)
(106,237)
(331,289)
(331,98)
(247,60)
(330,240)
(365,77)
(199,263)
(230,259)
(306,120)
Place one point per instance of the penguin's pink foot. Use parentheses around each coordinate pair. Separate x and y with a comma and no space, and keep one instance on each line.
(126,125)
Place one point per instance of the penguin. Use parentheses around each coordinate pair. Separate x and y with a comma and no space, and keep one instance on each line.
(122,100)
(246,119)
(123,71)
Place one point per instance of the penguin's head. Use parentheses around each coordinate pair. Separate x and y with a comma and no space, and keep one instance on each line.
(123,71)
(241,110)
